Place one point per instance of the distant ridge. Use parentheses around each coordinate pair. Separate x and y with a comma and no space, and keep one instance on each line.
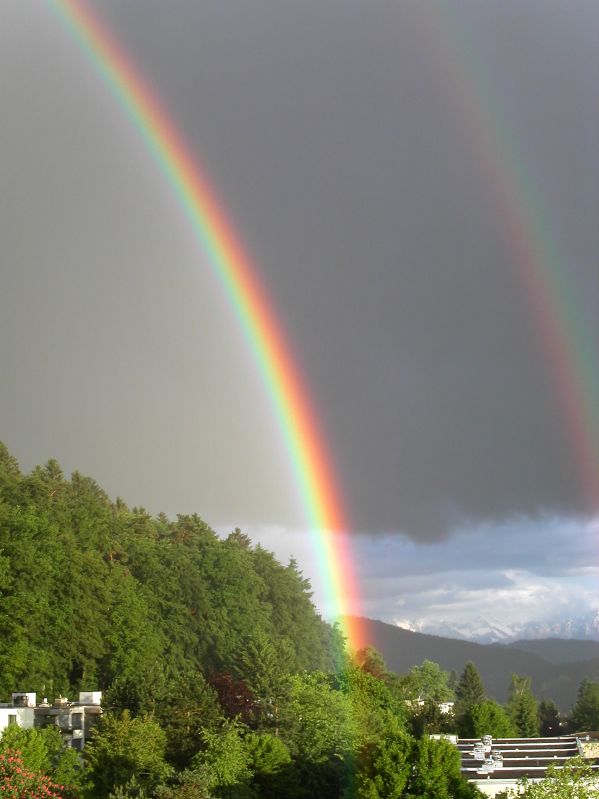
(403,649)
(558,650)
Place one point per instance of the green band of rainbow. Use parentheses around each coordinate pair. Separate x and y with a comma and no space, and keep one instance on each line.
(264,333)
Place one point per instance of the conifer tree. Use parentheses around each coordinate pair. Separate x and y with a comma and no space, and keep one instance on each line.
(470,689)
(549,718)
(469,692)
(585,713)
(522,707)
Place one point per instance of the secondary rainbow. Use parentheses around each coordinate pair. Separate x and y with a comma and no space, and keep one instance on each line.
(565,339)
(305,440)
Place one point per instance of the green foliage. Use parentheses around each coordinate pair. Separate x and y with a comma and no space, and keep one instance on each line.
(436,772)
(188,785)
(130,790)
(488,718)
(427,681)
(267,753)
(68,770)
(97,595)
(316,720)
(376,709)
(522,707)
(42,752)
(123,749)
(585,713)
(188,705)
(271,764)
(384,767)
(469,691)
(576,780)
(427,719)
(423,689)
(36,747)
(224,760)
(263,665)
(221,680)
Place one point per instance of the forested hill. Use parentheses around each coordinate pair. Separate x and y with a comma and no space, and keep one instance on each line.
(95,594)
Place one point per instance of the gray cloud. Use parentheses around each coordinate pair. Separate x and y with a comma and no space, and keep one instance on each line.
(331,137)
(516,572)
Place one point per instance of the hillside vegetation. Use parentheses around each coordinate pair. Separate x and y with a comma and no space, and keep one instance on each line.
(98,595)
(220,679)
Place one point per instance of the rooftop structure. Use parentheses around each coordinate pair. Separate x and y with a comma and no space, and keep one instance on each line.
(494,764)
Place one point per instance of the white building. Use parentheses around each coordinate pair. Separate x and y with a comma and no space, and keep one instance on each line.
(74,720)
(20,711)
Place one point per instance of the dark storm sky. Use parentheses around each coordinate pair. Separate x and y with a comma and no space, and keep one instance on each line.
(333,136)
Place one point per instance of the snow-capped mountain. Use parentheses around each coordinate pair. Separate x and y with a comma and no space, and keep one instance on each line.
(490,631)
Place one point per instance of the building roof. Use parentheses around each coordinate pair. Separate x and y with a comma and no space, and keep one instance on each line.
(516,758)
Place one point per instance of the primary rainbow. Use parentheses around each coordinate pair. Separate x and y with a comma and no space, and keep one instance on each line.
(239,278)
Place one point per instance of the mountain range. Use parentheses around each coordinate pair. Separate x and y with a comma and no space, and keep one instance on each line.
(490,631)
(556,666)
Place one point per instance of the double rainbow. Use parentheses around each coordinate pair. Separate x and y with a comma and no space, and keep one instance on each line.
(287,388)
(567,344)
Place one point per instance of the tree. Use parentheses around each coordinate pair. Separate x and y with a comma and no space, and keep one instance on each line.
(270,763)
(428,718)
(235,698)
(316,720)
(188,705)
(549,718)
(122,749)
(36,747)
(10,474)
(429,682)
(489,718)
(372,662)
(522,707)
(376,710)
(42,752)
(262,665)
(469,692)
(224,761)
(18,782)
(436,772)
(384,767)
(585,713)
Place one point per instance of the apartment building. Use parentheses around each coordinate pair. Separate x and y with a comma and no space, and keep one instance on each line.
(74,720)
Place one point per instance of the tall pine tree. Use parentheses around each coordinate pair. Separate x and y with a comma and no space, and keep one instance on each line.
(469,692)
(522,707)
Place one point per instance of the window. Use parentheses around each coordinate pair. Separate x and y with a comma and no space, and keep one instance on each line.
(76,720)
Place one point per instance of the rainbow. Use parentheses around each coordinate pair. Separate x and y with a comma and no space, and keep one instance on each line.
(239,278)
(564,338)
